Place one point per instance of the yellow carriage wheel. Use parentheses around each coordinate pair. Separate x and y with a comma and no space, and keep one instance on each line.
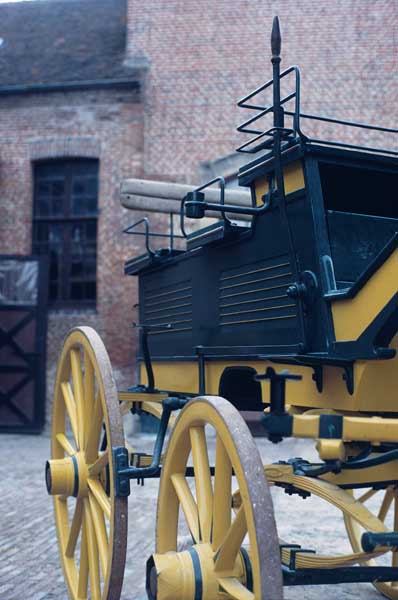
(384,504)
(233,555)
(91,522)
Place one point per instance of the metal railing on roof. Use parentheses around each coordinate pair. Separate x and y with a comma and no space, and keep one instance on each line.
(292,135)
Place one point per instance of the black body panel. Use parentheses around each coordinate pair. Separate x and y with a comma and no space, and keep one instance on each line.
(229,295)
(234,293)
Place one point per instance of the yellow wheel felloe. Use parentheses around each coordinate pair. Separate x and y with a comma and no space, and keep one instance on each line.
(91,522)
(232,556)
(384,503)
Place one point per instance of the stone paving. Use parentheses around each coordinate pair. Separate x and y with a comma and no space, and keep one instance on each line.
(29,563)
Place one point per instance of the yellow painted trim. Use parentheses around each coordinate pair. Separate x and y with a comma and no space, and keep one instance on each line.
(375,383)
(306,426)
(183,377)
(293,177)
(351,317)
(355,429)
(141,397)
(261,187)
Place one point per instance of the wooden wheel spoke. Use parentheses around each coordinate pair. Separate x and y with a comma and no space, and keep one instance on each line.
(74,529)
(100,532)
(77,378)
(385,505)
(89,389)
(70,408)
(94,435)
(222,501)
(367,495)
(101,497)
(204,490)
(188,504)
(65,443)
(99,465)
(235,589)
(228,551)
(92,548)
(83,568)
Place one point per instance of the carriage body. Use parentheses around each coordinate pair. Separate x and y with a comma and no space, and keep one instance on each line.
(291,312)
(231,304)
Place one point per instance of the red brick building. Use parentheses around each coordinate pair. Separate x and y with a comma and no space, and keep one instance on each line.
(94,91)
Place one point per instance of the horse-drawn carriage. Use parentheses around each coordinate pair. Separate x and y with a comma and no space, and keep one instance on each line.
(292,311)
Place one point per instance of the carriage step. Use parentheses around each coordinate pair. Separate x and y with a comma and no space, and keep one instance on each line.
(372,542)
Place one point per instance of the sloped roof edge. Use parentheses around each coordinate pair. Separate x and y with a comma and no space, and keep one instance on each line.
(58,45)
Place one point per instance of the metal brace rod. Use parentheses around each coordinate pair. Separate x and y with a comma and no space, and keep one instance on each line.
(123,472)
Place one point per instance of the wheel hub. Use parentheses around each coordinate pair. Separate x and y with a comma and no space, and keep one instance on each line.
(67,476)
(189,574)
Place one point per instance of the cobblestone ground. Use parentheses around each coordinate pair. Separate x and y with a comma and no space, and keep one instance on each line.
(29,563)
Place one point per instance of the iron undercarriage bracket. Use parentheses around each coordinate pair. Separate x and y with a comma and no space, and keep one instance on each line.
(124,472)
(305,468)
(357,574)
(314,576)
(145,330)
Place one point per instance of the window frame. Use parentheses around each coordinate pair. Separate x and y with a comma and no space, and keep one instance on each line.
(66,220)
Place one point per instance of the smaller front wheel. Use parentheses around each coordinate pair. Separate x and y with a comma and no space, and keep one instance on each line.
(235,550)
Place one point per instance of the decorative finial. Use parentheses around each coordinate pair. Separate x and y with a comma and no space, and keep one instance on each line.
(276,40)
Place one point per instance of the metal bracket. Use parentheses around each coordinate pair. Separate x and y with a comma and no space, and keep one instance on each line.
(305,288)
(201,369)
(317,376)
(121,461)
(348,377)
(124,472)
(295,549)
(145,329)
(291,489)
(277,422)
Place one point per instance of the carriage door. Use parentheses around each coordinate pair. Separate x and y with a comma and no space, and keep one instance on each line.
(23,317)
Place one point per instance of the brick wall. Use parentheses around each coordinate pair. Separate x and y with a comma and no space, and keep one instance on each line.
(103,124)
(205,55)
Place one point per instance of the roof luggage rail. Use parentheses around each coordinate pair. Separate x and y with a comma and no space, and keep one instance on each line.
(294,134)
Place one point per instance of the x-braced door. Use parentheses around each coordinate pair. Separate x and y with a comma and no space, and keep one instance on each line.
(23,324)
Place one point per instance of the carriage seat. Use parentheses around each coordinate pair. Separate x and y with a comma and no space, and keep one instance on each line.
(219,231)
(136,265)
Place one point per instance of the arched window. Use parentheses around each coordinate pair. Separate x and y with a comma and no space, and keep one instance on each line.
(65,227)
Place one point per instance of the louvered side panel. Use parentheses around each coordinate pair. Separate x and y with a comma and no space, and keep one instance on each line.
(169,305)
(256,294)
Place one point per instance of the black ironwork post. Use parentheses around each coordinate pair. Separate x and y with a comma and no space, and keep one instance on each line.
(276,45)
